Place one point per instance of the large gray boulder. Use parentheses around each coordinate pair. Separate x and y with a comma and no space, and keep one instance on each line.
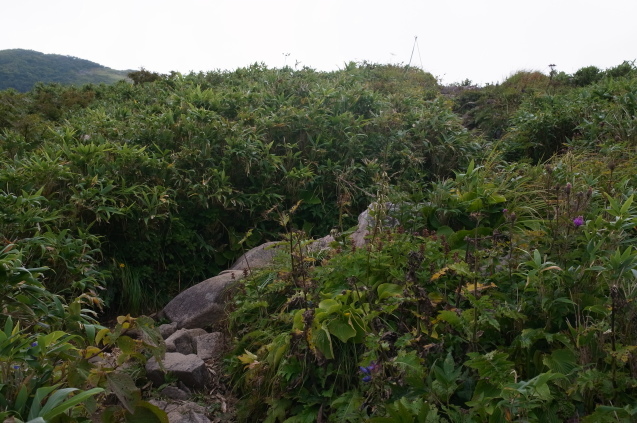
(258,257)
(189,369)
(203,304)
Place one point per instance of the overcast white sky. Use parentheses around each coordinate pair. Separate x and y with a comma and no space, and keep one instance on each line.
(485,41)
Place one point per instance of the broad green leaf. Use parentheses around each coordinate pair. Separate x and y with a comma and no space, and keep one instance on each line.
(342,329)
(411,366)
(347,407)
(386,290)
(308,415)
(150,334)
(146,412)
(626,205)
(330,306)
(278,410)
(123,386)
(450,317)
(8,327)
(21,399)
(127,344)
(50,411)
(492,365)
(475,205)
(496,198)
(322,341)
(445,230)
(36,404)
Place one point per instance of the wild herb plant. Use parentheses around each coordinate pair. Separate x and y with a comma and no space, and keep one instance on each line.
(512,311)
(47,346)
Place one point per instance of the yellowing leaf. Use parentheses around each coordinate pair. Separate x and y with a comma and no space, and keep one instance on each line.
(551,268)
(438,274)
(91,352)
(122,319)
(249,359)
(435,298)
(479,287)
(101,335)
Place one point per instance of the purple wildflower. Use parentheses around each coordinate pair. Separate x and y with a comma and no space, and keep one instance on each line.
(578,221)
(34,344)
(368,370)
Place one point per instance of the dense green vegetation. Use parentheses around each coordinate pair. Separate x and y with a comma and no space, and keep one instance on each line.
(22,69)
(506,293)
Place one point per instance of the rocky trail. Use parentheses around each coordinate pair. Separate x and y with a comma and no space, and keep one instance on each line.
(192,386)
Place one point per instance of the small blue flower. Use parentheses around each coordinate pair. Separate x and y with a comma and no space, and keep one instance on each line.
(34,344)
(16,367)
(367,379)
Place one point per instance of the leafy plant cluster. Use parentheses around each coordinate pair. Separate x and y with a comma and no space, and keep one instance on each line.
(146,189)
(507,293)
(535,114)
(57,363)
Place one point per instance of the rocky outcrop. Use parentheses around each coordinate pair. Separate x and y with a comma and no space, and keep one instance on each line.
(202,305)
(258,257)
(190,348)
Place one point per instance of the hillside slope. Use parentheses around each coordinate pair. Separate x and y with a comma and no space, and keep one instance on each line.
(21,69)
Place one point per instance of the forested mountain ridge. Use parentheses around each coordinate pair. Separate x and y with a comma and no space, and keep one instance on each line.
(21,69)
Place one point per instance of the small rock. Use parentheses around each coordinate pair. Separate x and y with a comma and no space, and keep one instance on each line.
(167,329)
(175,393)
(180,341)
(183,387)
(186,412)
(189,369)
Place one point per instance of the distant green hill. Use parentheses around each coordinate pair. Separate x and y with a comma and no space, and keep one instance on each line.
(21,69)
